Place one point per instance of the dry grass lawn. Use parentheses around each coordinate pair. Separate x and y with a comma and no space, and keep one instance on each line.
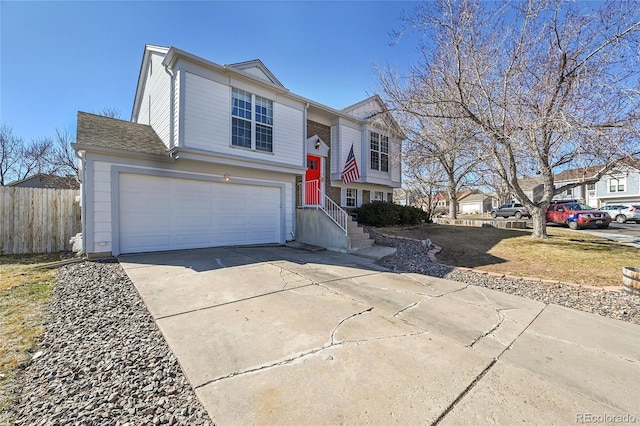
(24,295)
(567,256)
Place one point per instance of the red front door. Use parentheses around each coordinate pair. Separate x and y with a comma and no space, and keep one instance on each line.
(312,178)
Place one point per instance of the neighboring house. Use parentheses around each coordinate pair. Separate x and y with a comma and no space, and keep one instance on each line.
(477,203)
(620,185)
(219,155)
(585,193)
(532,188)
(42,180)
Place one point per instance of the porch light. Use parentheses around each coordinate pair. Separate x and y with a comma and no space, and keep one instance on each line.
(226,178)
(317,144)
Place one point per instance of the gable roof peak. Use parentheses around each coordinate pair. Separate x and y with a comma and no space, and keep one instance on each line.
(256,68)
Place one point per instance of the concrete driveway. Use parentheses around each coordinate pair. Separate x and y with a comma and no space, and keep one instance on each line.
(274,335)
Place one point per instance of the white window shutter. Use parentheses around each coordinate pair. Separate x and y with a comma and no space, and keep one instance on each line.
(343,197)
(358,198)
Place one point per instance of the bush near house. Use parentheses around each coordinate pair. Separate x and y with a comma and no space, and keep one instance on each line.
(382,214)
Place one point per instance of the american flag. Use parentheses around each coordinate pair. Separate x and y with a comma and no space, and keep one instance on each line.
(350,171)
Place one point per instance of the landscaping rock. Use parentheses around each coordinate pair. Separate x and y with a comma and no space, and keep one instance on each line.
(102,360)
(411,256)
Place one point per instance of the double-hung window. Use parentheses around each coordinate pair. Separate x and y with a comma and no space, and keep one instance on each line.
(617,185)
(377,196)
(351,197)
(379,152)
(252,121)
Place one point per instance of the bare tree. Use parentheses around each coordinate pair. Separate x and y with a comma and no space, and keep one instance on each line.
(423,179)
(547,85)
(10,154)
(64,157)
(36,158)
(438,140)
(109,111)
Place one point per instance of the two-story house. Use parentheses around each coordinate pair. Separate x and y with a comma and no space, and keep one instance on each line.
(619,185)
(218,155)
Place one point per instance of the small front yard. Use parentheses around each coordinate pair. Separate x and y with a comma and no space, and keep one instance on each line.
(567,256)
(24,295)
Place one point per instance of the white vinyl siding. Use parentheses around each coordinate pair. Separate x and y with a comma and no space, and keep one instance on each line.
(207,123)
(395,160)
(288,134)
(155,101)
(101,208)
(348,136)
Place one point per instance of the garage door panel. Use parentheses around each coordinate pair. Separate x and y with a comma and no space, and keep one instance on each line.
(264,236)
(146,222)
(194,239)
(260,220)
(161,213)
(142,243)
(238,237)
(232,220)
(193,221)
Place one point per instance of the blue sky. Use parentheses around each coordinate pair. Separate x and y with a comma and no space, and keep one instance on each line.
(58,57)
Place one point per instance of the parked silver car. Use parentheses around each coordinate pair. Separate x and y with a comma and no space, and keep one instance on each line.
(622,213)
(510,209)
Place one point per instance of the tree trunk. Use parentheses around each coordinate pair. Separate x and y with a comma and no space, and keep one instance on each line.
(539,223)
(453,203)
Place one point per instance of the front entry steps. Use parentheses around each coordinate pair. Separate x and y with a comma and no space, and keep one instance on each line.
(358,238)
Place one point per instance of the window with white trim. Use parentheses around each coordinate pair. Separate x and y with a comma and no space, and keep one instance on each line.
(617,185)
(252,121)
(377,196)
(379,152)
(350,197)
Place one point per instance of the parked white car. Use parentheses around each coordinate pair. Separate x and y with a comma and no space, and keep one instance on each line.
(622,213)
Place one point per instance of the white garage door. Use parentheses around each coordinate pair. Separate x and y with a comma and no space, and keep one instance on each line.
(470,208)
(158,213)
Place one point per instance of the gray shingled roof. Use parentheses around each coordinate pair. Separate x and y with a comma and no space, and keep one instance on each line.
(42,180)
(99,131)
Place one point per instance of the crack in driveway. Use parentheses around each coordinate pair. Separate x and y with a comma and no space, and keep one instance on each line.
(484,372)
(330,344)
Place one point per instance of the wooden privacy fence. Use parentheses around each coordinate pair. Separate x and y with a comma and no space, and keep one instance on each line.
(38,220)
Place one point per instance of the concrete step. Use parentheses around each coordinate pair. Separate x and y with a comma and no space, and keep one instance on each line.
(352,224)
(374,252)
(359,237)
(359,244)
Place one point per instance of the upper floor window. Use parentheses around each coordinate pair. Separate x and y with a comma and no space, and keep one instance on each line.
(379,152)
(617,185)
(252,121)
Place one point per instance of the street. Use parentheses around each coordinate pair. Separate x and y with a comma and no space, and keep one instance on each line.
(629,229)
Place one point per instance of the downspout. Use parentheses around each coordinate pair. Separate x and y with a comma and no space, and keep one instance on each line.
(83,200)
(172,99)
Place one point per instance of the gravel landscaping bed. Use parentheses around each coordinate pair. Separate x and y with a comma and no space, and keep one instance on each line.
(102,360)
(411,256)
